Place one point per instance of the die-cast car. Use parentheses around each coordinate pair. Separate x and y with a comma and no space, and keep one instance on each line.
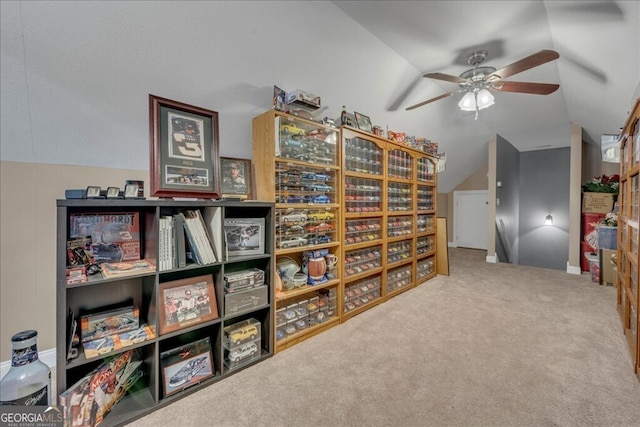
(188,371)
(293,242)
(294,217)
(290,128)
(243,352)
(321,216)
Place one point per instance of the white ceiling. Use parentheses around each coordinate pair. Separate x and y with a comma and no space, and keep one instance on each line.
(76,76)
(598,69)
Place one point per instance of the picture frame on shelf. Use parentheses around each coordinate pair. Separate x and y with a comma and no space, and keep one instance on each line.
(244,236)
(186,302)
(363,122)
(186,365)
(184,150)
(236,178)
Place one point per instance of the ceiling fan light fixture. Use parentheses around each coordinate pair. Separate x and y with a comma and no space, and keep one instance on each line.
(485,99)
(468,102)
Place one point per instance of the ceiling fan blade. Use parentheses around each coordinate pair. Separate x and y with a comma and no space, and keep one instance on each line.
(524,64)
(446,78)
(446,95)
(525,87)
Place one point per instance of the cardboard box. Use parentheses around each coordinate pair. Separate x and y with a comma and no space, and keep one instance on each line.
(608,268)
(597,202)
(300,97)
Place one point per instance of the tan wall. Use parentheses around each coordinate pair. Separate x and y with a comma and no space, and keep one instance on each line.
(28,194)
(476,181)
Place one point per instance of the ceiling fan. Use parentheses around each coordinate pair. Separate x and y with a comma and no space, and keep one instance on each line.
(478,82)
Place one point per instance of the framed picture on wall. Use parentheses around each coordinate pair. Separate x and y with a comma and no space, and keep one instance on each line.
(236,178)
(184,150)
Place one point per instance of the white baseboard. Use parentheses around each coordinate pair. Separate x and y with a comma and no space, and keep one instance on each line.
(47,356)
(452,245)
(492,258)
(573,269)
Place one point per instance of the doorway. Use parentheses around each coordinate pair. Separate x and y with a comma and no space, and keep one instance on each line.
(471,218)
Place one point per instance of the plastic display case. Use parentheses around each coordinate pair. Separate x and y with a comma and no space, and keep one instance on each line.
(398,278)
(363,195)
(363,156)
(400,197)
(361,293)
(362,260)
(398,226)
(362,230)
(399,251)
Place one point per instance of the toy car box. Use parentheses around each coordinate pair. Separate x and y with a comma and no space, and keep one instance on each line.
(109,322)
(243,279)
(246,300)
(300,97)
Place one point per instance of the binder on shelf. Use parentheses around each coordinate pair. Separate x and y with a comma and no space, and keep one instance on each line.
(181,257)
(197,235)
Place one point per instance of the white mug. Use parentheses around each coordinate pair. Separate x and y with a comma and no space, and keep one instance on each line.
(331,260)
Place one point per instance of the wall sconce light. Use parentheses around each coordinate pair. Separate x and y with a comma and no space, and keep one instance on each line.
(548,220)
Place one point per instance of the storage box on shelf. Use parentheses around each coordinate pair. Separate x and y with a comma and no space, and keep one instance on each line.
(628,298)
(297,166)
(183,308)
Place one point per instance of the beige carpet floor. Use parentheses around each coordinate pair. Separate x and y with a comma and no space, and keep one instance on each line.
(489,345)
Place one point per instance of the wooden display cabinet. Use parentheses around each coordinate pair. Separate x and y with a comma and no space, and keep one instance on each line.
(297,166)
(628,298)
(389,192)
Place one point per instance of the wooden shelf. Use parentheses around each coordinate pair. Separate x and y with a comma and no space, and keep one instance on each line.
(361,176)
(628,298)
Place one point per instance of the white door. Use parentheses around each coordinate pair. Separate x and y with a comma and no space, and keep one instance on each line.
(471,219)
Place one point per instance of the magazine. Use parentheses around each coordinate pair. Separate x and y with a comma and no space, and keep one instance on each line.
(126,268)
(89,400)
(114,236)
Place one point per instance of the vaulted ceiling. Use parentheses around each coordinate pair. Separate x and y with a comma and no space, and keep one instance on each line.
(598,70)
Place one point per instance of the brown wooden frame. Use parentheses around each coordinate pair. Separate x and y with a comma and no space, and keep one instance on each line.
(229,190)
(175,289)
(192,170)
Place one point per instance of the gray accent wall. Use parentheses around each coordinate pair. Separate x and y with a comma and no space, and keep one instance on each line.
(544,190)
(507,201)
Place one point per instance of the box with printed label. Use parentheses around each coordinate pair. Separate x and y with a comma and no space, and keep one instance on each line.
(597,202)
(246,300)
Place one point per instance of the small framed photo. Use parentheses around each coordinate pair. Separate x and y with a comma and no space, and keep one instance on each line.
(184,150)
(93,192)
(139,183)
(186,302)
(113,192)
(131,191)
(363,122)
(244,236)
(187,365)
(236,178)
